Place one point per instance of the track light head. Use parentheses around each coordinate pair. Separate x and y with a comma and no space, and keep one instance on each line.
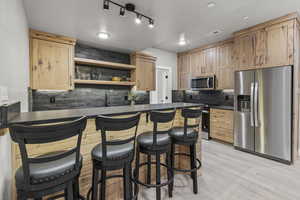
(138,19)
(122,11)
(151,23)
(106,4)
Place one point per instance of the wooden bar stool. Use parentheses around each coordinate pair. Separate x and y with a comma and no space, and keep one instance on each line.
(156,142)
(53,172)
(114,154)
(187,136)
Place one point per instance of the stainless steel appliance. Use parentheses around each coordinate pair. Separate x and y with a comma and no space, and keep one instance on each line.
(263,112)
(203,83)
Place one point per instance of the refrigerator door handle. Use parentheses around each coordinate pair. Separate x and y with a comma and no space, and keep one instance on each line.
(251,105)
(256,105)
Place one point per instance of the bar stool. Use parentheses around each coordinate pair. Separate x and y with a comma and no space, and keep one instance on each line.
(156,142)
(53,172)
(187,136)
(114,154)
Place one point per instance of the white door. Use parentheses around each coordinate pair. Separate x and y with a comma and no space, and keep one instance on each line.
(163,92)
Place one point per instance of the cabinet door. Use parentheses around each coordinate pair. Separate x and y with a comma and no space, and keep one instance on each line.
(225,69)
(280,44)
(52,65)
(260,43)
(184,81)
(195,67)
(221,125)
(210,61)
(245,51)
(145,74)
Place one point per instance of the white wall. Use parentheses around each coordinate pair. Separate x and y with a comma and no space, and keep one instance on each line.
(165,59)
(14,74)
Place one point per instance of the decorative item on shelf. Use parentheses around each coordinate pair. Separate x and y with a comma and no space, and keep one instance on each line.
(133,97)
(116,78)
(129,7)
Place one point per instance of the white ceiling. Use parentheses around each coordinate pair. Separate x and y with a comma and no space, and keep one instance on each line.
(83,19)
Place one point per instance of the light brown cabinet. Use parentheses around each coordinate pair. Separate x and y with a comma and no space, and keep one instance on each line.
(269,46)
(52,65)
(145,74)
(184,71)
(221,125)
(225,68)
(208,66)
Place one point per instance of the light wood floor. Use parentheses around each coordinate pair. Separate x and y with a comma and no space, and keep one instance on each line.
(229,174)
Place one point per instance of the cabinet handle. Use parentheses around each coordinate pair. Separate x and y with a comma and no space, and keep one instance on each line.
(71,81)
(34,67)
(49,66)
(40,62)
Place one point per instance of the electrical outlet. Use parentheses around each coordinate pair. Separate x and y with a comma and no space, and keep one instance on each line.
(52,99)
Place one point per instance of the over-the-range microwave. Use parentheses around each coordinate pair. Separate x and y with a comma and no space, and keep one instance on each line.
(203,83)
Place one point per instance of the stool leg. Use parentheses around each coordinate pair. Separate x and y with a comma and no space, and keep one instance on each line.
(76,188)
(172,164)
(168,162)
(95,183)
(127,182)
(193,163)
(70,191)
(149,169)
(103,184)
(158,189)
(21,195)
(137,171)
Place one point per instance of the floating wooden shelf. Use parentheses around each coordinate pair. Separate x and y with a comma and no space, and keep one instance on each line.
(98,63)
(98,82)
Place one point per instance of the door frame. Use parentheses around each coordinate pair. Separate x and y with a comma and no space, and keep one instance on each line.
(153,94)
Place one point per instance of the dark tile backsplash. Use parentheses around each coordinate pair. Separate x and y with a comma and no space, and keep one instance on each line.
(85,51)
(86,96)
(213,97)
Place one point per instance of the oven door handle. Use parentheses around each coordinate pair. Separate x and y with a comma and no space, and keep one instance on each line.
(207,82)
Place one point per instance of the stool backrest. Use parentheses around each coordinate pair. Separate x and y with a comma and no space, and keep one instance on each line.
(41,134)
(104,124)
(158,117)
(190,113)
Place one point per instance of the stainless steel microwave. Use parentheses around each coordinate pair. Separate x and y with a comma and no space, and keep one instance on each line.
(203,83)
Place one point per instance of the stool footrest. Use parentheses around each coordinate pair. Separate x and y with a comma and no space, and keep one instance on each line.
(169,171)
(199,164)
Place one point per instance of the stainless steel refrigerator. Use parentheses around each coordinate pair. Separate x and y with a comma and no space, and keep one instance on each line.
(263,112)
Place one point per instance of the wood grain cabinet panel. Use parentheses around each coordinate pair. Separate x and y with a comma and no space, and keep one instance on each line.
(225,69)
(209,61)
(52,64)
(145,74)
(279,42)
(245,51)
(184,70)
(221,125)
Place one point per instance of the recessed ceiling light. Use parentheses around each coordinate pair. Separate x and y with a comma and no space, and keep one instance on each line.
(103,35)
(246,18)
(151,23)
(211,4)
(182,42)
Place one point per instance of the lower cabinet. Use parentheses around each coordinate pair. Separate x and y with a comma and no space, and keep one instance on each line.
(221,125)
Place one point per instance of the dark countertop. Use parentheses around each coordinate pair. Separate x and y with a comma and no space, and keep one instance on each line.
(60,115)
(223,107)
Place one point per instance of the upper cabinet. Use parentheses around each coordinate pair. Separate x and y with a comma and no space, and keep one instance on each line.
(51,61)
(184,70)
(145,74)
(208,62)
(266,45)
(225,66)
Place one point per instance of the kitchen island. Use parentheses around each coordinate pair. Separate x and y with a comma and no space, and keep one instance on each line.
(91,138)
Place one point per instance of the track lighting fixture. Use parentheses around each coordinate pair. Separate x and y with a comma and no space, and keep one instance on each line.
(122,11)
(130,8)
(151,23)
(106,4)
(138,19)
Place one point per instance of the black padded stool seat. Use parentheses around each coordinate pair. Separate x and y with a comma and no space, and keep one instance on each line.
(52,172)
(114,152)
(187,136)
(146,139)
(155,143)
(45,172)
(177,133)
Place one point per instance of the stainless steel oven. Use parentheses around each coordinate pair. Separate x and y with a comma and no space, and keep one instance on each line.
(203,83)
(205,123)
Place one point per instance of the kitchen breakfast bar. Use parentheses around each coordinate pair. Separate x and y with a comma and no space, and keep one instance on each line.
(91,138)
